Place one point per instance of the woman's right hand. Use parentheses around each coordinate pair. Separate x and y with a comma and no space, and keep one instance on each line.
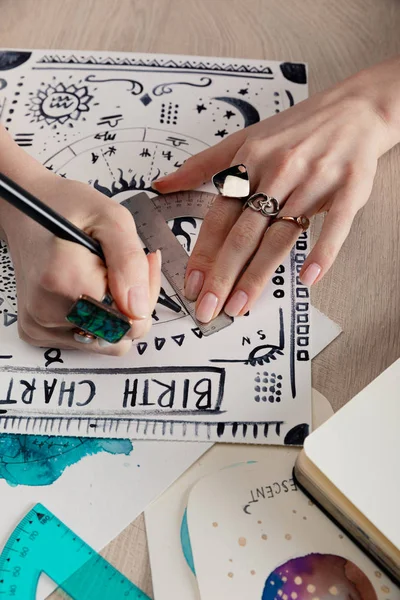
(52,273)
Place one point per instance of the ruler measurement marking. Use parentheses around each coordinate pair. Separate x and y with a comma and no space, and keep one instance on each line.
(85,577)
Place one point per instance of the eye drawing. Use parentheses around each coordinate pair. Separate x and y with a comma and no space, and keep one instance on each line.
(263,354)
(256,357)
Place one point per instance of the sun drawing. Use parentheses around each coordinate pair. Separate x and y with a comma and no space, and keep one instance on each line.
(58,103)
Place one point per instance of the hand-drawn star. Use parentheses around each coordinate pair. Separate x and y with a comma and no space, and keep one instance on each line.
(201,107)
(244,91)
(229,114)
(222,132)
(50,167)
(63,175)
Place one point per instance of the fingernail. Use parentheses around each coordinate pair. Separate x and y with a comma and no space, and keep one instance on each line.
(310,274)
(159,257)
(236,303)
(104,343)
(193,285)
(157,181)
(138,300)
(83,339)
(206,308)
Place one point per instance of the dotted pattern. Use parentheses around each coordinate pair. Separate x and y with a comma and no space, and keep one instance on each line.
(14,101)
(268,387)
(277,102)
(169,113)
(8,289)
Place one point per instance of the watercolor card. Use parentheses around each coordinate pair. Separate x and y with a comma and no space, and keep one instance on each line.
(255,535)
(166,523)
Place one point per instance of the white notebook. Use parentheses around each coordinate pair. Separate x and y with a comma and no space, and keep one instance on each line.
(351,464)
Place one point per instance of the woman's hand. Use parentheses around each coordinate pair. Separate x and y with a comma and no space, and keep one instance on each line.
(319,156)
(52,273)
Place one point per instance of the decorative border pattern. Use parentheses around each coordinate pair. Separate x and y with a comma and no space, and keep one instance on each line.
(153,62)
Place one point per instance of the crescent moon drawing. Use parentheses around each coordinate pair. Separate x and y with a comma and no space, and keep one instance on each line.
(247,110)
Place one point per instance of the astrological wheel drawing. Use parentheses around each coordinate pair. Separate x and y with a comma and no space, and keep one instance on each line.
(120,162)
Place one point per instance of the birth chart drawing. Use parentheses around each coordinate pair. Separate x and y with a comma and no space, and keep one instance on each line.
(119,121)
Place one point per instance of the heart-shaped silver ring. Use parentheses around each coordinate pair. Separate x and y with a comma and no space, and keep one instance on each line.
(266,205)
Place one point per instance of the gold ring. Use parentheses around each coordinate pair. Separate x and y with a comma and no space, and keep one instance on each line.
(302,221)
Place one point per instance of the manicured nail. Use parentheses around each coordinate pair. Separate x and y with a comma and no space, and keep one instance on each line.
(159,257)
(206,308)
(157,181)
(236,303)
(83,339)
(193,285)
(138,299)
(310,274)
(104,343)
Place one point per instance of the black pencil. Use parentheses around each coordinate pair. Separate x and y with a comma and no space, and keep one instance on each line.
(58,225)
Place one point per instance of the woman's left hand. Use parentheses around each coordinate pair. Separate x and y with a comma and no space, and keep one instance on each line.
(318,156)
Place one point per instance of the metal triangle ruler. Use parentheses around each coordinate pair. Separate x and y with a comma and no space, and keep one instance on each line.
(151,216)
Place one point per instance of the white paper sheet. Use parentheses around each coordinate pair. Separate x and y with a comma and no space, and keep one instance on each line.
(110,486)
(96,486)
(324,329)
(255,535)
(164,516)
(117,121)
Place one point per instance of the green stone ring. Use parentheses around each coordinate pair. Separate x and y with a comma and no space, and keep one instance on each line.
(99,319)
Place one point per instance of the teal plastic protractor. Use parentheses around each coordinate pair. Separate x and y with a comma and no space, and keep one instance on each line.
(41,543)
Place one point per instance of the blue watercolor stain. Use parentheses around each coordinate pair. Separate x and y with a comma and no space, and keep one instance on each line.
(240,464)
(185,538)
(185,543)
(41,460)
(273,584)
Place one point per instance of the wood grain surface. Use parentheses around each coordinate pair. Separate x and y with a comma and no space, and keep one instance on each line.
(362,290)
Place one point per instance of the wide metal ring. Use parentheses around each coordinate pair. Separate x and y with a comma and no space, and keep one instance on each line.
(232,182)
(301,221)
(83,337)
(94,319)
(266,205)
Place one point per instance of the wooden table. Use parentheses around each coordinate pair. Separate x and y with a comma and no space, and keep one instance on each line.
(336,38)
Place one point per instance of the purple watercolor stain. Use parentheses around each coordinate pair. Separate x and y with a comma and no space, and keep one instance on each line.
(323,576)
